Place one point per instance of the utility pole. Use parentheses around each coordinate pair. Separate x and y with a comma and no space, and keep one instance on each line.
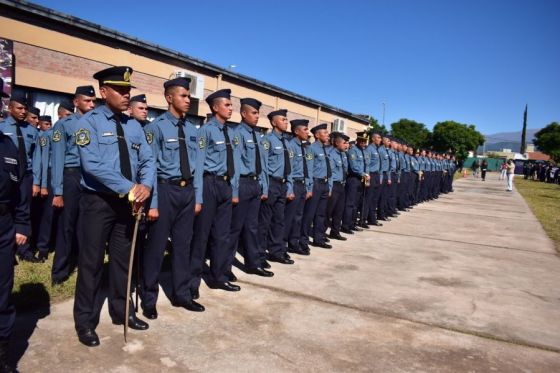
(383,121)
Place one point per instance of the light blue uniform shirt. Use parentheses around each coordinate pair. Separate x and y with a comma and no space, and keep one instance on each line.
(247,153)
(297,158)
(99,153)
(65,152)
(30,139)
(358,160)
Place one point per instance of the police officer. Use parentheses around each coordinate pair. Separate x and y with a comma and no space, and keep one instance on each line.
(385,179)
(138,109)
(414,176)
(25,138)
(65,109)
(116,160)
(393,169)
(14,229)
(374,207)
(174,141)
(32,117)
(357,184)
(65,171)
(339,169)
(271,216)
(301,187)
(213,179)
(253,188)
(315,211)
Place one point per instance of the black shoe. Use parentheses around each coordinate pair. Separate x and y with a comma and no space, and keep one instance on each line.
(322,245)
(266,265)
(282,260)
(4,367)
(195,294)
(150,312)
(88,337)
(385,219)
(356,229)
(337,237)
(294,250)
(59,281)
(260,272)
(377,224)
(30,258)
(134,323)
(363,225)
(43,256)
(231,277)
(346,231)
(190,305)
(224,286)
(327,239)
(305,249)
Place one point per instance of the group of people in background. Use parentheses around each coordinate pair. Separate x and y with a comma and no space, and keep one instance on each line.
(205,193)
(545,172)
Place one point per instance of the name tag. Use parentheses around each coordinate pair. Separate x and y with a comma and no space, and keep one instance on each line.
(105,134)
(278,147)
(8,133)
(172,140)
(10,160)
(249,141)
(220,142)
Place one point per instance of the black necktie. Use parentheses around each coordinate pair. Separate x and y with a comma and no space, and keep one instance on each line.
(229,151)
(123,150)
(258,167)
(305,170)
(287,165)
(22,156)
(329,172)
(364,158)
(183,154)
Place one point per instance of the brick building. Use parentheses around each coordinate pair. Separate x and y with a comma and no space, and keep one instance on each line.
(47,54)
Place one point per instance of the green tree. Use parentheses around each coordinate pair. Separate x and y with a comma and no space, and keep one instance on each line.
(456,137)
(412,132)
(548,141)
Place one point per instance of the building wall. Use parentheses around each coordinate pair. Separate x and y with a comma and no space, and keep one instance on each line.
(59,62)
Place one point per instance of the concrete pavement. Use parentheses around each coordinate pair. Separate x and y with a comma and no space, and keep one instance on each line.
(467,283)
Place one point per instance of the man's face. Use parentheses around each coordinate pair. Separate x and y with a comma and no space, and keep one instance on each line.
(84,103)
(177,97)
(250,115)
(116,97)
(346,145)
(280,122)
(223,108)
(32,119)
(322,136)
(139,111)
(377,139)
(361,143)
(386,142)
(18,111)
(423,153)
(63,113)
(338,143)
(302,133)
(44,125)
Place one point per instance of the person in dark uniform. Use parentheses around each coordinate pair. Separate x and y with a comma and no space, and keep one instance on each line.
(65,109)
(14,230)
(301,187)
(279,168)
(339,169)
(215,170)
(171,212)
(116,161)
(65,171)
(25,138)
(357,184)
(32,117)
(138,109)
(315,211)
(253,188)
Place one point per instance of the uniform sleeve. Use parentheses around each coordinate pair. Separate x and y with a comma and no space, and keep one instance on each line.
(22,216)
(200,159)
(155,147)
(333,165)
(291,150)
(45,153)
(57,165)
(236,162)
(263,177)
(36,162)
(146,162)
(309,158)
(91,165)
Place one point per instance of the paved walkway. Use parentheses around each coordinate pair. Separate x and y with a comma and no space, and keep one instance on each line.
(469,282)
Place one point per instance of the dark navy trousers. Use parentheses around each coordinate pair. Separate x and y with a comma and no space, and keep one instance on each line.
(48,217)
(7,246)
(66,250)
(244,230)
(25,190)
(211,231)
(315,214)
(176,220)
(271,219)
(353,191)
(294,215)
(373,196)
(335,207)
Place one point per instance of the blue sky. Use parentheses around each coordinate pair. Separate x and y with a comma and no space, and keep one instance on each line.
(476,62)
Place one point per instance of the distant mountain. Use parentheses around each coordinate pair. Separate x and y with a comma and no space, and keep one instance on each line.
(510,137)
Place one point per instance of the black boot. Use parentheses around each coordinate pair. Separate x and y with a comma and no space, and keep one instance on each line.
(4,367)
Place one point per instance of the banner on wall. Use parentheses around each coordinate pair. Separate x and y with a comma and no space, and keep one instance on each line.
(7,67)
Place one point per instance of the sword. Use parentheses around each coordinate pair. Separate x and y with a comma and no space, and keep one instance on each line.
(137,217)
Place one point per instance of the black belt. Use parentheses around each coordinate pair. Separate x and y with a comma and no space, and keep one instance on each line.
(299,180)
(250,177)
(105,194)
(72,169)
(5,209)
(280,180)
(322,180)
(339,182)
(355,175)
(177,182)
(217,177)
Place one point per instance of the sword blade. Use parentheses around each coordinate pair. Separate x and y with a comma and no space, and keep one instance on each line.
(130,265)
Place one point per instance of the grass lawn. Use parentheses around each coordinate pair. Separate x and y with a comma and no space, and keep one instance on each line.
(32,286)
(544,201)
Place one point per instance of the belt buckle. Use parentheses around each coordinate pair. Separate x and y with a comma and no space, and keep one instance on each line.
(225,177)
(283,180)
(183,183)
(121,195)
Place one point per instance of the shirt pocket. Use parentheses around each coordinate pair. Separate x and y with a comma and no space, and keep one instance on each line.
(107,140)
